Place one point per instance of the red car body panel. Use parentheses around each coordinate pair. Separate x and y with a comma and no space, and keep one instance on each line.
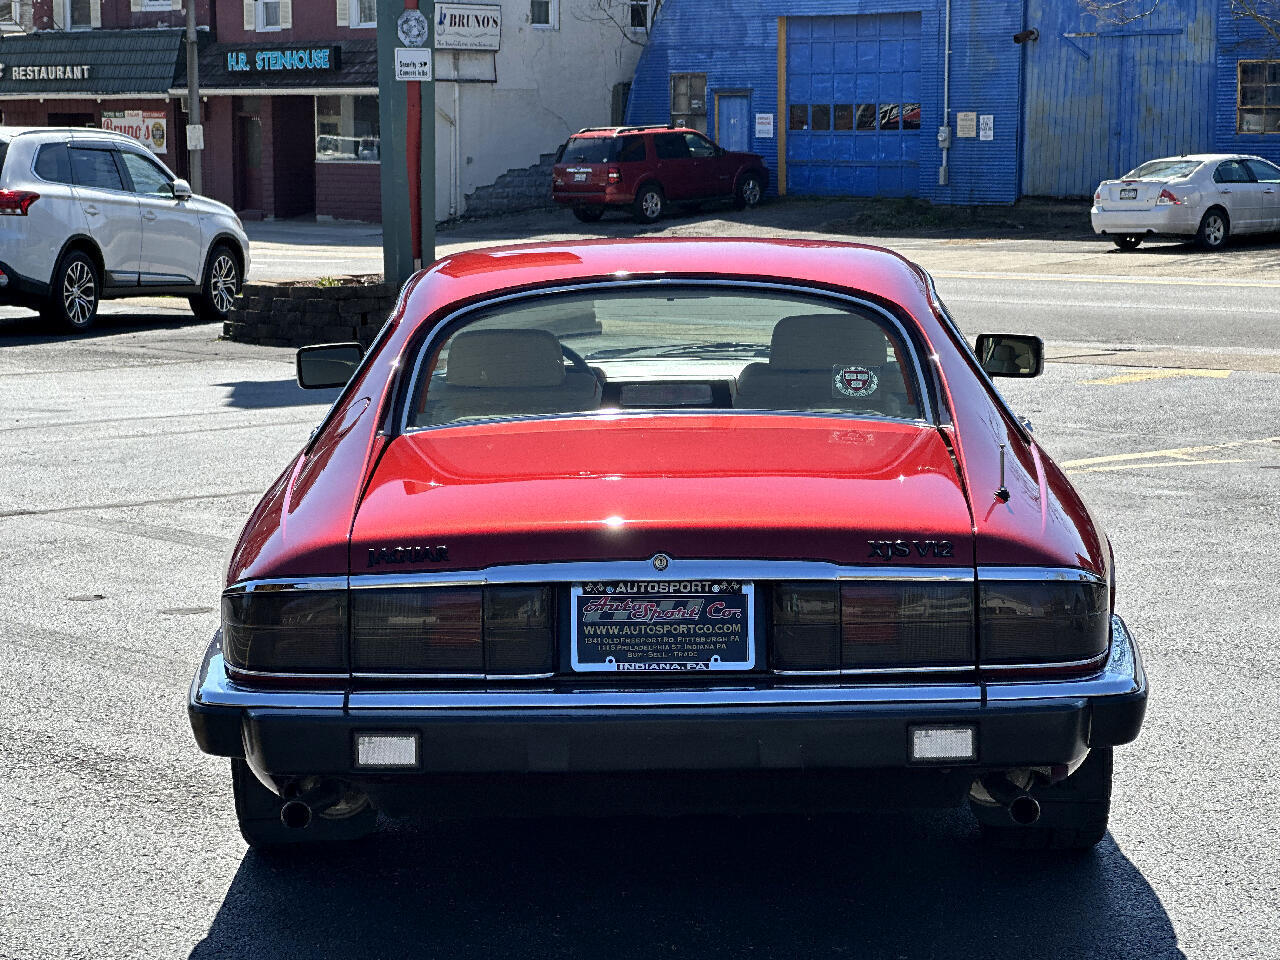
(686,485)
(525,502)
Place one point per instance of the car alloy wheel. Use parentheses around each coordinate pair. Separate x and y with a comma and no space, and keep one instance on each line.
(649,204)
(223,281)
(79,293)
(1213,230)
(751,191)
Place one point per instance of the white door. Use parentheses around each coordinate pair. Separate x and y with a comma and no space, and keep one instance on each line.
(1242,197)
(110,210)
(1268,177)
(170,227)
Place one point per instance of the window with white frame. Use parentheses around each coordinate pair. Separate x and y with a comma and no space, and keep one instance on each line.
(79,14)
(364,13)
(10,13)
(268,14)
(544,13)
(639,14)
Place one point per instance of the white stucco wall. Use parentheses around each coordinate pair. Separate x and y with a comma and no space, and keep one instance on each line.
(550,83)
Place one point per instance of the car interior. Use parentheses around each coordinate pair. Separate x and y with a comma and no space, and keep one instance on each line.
(816,363)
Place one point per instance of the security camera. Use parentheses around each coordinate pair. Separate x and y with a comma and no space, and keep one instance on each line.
(1026,35)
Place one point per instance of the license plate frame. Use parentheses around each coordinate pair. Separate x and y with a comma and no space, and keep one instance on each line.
(579,178)
(681,643)
(1128,193)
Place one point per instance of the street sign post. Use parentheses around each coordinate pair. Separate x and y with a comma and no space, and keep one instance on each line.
(406,112)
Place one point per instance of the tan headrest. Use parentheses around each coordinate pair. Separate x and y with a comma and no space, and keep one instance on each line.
(505,358)
(818,341)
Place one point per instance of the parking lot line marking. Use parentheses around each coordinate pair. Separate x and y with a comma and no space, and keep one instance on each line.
(1186,462)
(1157,375)
(1087,278)
(1179,453)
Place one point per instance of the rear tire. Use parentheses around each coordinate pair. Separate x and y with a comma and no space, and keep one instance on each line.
(1127,243)
(74,294)
(749,193)
(588,214)
(650,204)
(1214,230)
(219,288)
(1073,813)
(258,812)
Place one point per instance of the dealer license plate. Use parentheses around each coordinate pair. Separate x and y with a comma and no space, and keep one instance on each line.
(661,626)
(1129,193)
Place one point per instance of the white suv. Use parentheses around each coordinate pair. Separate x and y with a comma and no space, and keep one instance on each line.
(90,215)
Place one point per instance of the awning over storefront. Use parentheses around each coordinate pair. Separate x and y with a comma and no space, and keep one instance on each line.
(258,69)
(89,63)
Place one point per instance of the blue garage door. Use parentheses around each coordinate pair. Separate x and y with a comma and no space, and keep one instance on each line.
(1100,100)
(853,105)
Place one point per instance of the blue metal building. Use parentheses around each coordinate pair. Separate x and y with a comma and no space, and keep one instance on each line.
(847,97)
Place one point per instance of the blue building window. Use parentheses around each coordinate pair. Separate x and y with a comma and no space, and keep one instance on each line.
(1258,98)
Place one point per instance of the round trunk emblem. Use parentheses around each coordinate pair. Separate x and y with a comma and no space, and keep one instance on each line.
(661,561)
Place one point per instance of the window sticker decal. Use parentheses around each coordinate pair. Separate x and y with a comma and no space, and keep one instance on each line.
(853,381)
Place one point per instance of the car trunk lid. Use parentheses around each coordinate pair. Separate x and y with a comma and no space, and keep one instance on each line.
(630,487)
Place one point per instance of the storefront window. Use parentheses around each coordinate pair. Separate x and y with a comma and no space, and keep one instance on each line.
(1258,99)
(347,129)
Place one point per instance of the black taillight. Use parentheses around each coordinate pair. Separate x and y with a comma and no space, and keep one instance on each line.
(286,631)
(1041,622)
(453,631)
(871,625)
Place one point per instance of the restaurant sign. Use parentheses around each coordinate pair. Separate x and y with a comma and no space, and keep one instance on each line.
(288,60)
(60,71)
(468,26)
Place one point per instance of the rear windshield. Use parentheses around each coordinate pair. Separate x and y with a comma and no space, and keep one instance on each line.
(671,348)
(603,150)
(1164,170)
(4,150)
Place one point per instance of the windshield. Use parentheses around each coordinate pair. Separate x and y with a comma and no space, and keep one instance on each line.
(667,348)
(1163,170)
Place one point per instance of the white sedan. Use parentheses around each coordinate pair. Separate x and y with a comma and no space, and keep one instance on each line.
(1205,196)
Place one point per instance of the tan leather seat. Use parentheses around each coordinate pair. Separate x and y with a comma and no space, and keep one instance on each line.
(506,373)
(806,356)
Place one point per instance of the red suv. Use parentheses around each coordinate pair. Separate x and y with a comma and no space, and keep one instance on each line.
(646,168)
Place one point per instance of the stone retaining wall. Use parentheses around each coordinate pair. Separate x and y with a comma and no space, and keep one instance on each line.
(287,316)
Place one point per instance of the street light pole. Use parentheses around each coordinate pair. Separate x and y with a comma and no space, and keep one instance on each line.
(195,132)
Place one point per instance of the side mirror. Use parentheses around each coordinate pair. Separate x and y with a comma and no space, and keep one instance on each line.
(328,365)
(181,190)
(1010,355)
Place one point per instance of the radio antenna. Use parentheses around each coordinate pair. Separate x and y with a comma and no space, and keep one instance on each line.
(1003,493)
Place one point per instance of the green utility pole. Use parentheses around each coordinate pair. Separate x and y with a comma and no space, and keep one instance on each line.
(407,117)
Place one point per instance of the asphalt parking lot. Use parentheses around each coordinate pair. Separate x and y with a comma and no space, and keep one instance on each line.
(131,458)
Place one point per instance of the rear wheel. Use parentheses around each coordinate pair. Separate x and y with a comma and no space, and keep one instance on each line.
(74,293)
(1127,243)
(1214,229)
(588,214)
(750,192)
(650,204)
(259,812)
(1073,812)
(220,287)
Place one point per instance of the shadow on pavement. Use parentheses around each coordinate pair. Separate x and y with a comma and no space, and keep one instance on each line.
(884,884)
(264,394)
(29,329)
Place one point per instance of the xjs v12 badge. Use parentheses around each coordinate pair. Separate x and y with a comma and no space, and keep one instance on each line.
(901,549)
(407,555)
